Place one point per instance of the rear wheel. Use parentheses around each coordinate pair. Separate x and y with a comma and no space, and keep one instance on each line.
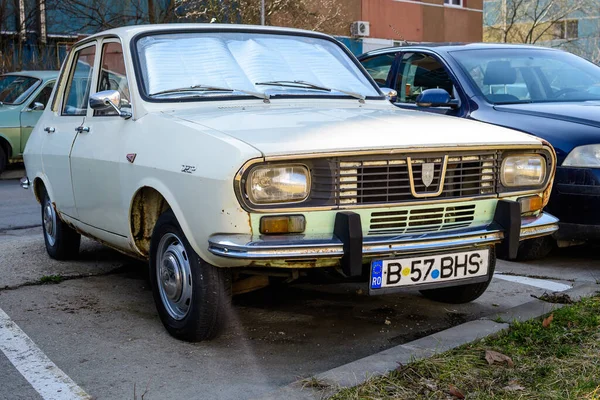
(535,249)
(463,293)
(62,242)
(3,160)
(192,297)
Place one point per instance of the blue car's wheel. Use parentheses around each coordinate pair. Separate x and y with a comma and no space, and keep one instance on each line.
(535,249)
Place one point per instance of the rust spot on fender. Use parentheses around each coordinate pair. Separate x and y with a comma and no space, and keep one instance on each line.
(147,206)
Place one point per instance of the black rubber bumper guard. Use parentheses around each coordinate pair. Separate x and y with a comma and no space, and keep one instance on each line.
(348,230)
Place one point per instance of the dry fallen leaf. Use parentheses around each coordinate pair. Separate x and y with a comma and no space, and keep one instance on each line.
(387,321)
(547,321)
(455,392)
(495,357)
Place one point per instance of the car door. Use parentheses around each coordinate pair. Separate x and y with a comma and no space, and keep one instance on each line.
(61,126)
(98,153)
(419,71)
(32,112)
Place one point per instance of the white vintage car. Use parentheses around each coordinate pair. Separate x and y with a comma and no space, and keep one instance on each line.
(226,155)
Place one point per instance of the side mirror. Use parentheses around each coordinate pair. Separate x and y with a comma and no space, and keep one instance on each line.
(391,94)
(108,100)
(37,106)
(436,98)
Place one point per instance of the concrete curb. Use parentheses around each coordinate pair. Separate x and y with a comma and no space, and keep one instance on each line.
(357,372)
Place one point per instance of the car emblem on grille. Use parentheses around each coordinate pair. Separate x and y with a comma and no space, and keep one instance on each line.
(427,173)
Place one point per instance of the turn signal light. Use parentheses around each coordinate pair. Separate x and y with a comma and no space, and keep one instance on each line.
(282,224)
(530,204)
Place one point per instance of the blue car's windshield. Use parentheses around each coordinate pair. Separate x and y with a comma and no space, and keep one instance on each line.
(506,76)
(14,89)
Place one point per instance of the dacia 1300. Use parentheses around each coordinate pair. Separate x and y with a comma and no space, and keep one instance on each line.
(230,155)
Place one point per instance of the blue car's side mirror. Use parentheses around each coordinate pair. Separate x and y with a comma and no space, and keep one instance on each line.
(436,98)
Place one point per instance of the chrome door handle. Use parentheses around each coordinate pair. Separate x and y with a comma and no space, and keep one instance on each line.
(80,129)
(49,129)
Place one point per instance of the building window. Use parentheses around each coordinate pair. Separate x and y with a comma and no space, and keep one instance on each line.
(568,29)
(455,3)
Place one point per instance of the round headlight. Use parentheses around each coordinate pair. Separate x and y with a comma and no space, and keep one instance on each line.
(278,184)
(584,156)
(523,170)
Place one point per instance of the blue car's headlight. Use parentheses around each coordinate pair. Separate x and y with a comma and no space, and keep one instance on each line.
(584,156)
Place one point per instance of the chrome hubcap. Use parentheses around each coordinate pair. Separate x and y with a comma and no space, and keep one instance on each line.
(174,276)
(49,217)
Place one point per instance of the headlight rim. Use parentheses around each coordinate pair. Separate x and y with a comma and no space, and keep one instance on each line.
(246,182)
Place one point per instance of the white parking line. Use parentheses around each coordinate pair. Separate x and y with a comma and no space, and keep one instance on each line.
(539,283)
(41,373)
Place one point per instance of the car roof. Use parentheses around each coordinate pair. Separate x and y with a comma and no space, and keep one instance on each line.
(127,32)
(448,47)
(43,75)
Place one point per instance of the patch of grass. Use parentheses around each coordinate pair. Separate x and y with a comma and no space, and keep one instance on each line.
(561,361)
(51,279)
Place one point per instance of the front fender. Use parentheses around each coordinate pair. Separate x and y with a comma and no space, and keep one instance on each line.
(197,223)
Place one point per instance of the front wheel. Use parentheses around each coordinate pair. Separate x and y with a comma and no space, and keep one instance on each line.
(192,297)
(62,241)
(463,293)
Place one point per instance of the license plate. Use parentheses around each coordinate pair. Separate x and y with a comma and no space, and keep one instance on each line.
(428,269)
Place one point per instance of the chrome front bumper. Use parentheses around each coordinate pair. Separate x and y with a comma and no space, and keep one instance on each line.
(298,247)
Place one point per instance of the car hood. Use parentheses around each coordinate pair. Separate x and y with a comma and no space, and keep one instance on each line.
(282,130)
(585,112)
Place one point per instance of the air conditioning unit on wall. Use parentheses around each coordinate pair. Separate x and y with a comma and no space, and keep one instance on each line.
(360,28)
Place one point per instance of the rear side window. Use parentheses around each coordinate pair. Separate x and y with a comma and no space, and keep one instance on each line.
(78,84)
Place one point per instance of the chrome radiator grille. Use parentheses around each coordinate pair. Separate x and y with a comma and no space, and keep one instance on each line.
(381,181)
(423,220)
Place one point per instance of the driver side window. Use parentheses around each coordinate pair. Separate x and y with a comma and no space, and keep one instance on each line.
(43,97)
(113,75)
(379,67)
(419,72)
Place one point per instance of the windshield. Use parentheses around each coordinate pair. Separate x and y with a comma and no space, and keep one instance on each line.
(225,64)
(14,89)
(506,76)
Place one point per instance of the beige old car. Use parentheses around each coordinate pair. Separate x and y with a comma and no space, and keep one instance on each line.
(227,155)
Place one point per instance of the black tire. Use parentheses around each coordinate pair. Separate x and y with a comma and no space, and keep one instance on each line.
(62,241)
(3,160)
(535,249)
(194,304)
(464,293)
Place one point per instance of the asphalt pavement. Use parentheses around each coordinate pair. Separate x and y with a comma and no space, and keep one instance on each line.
(99,325)
(18,208)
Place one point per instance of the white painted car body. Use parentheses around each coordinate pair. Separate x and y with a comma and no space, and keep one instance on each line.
(192,152)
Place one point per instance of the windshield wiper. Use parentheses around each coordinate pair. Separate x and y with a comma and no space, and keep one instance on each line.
(209,88)
(308,85)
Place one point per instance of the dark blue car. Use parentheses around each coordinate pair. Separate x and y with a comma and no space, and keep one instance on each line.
(549,93)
